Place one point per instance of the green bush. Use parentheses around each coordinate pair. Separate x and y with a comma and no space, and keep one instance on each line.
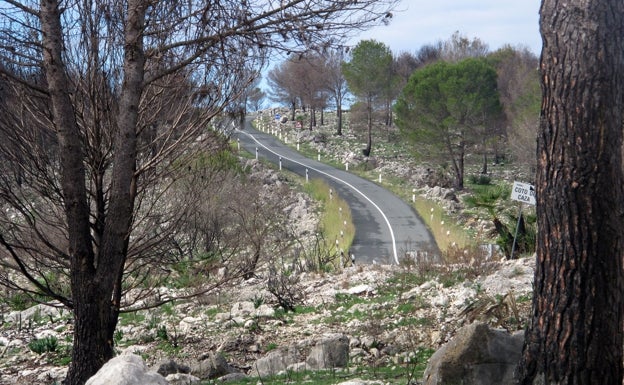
(19,301)
(43,345)
(161,333)
(480,179)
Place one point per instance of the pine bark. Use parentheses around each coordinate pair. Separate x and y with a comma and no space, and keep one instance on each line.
(575,334)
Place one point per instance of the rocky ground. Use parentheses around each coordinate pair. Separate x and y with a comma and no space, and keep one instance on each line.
(395,309)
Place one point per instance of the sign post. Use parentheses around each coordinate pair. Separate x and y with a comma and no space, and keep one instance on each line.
(523,193)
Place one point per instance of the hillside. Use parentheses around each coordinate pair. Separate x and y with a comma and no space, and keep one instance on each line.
(393,317)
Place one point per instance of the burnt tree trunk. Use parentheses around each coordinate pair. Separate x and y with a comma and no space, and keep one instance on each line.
(576,332)
(95,275)
(91,347)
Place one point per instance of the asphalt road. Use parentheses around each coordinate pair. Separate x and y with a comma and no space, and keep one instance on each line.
(385,226)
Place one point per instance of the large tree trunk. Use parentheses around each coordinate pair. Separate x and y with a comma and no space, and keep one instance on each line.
(94,325)
(576,330)
(91,346)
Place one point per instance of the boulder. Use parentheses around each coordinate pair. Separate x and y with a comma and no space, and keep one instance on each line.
(126,369)
(298,367)
(265,311)
(52,310)
(212,367)
(477,355)
(330,352)
(276,361)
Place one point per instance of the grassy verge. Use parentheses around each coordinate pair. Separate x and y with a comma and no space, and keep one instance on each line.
(336,223)
(445,229)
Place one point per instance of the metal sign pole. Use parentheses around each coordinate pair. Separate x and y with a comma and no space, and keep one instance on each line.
(523,193)
(513,246)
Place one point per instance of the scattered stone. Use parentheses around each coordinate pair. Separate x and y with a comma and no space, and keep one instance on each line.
(361,290)
(52,310)
(197,330)
(167,367)
(242,309)
(361,382)
(182,379)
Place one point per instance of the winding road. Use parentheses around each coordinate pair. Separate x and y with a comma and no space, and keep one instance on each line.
(385,226)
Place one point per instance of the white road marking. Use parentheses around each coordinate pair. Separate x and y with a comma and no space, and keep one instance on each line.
(394,249)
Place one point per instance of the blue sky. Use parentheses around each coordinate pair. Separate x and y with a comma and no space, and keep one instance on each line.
(496,22)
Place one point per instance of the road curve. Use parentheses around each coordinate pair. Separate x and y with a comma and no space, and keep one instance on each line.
(385,226)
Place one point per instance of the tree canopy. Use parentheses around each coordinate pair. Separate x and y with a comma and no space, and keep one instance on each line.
(370,77)
(520,94)
(447,108)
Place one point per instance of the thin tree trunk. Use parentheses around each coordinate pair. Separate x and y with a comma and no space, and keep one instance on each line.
(339,116)
(576,330)
(460,169)
(484,169)
(457,160)
(369,125)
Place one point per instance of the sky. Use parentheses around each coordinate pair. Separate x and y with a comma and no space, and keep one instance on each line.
(495,22)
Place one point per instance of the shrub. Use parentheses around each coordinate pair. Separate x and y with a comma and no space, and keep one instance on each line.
(285,288)
(161,333)
(19,301)
(481,179)
(43,345)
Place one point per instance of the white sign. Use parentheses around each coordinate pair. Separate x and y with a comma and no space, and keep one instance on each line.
(523,192)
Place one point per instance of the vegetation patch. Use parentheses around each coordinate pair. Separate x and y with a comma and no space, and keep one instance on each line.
(336,223)
(409,369)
